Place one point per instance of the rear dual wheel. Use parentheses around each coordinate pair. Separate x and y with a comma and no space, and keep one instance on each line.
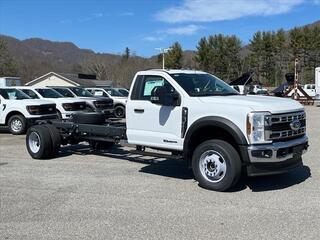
(43,141)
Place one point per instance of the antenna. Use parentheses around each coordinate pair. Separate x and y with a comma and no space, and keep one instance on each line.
(163,51)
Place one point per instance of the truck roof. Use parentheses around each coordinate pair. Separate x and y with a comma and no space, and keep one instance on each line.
(172,71)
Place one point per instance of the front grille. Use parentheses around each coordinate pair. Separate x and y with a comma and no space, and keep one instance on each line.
(280,126)
(78,106)
(103,104)
(47,109)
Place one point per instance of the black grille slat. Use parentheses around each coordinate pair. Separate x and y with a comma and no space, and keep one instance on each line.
(279,128)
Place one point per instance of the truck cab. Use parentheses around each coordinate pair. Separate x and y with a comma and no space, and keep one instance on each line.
(18,111)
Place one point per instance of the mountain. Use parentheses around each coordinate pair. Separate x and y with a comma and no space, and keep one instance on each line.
(36,56)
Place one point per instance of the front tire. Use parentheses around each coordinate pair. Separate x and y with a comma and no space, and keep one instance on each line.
(119,111)
(17,124)
(216,165)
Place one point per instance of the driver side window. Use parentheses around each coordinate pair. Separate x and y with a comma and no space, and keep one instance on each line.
(148,83)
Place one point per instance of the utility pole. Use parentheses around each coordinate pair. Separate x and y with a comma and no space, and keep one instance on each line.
(296,62)
(163,51)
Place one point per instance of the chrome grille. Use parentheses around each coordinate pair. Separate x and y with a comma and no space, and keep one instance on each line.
(278,126)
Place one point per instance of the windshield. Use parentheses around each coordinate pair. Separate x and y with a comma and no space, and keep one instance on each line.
(197,85)
(13,94)
(113,92)
(81,92)
(48,93)
(64,92)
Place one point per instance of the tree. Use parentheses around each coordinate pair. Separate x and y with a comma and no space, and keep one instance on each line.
(203,56)
(126,53)
(220,55)
(173,58)
(8,67)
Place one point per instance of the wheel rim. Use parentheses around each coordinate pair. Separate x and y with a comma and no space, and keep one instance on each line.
(213,166)
(34,142)
(16,125)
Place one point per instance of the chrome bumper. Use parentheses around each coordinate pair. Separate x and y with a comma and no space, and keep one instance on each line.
(276,152)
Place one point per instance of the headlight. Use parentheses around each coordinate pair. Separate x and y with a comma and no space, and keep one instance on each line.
(67,106)
(34,110)
(256,122)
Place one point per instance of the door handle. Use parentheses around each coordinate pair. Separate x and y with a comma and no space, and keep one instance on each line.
(136,110)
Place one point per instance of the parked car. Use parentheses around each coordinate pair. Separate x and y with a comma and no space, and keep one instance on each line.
(18,111)
(65,106)
(104,104)
(197,117)
(119,101)
(123,91)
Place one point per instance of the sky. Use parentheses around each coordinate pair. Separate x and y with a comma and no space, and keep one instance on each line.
(143,25)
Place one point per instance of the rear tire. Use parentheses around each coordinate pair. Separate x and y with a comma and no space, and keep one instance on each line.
(216,165)
(17,124)
(55,138)
(39,142)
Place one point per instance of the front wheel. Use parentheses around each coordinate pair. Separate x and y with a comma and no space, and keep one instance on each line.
(17,124)
(119,111)
(216,165)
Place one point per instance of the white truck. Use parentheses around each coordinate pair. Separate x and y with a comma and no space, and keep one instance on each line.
(66,107)
(119,101)
(194,116)
(18,111)
(102,104)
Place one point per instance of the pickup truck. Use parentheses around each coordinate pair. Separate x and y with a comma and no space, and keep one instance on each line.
(96,104)
(66,107)
(195,116)
(18,111)
(119,101)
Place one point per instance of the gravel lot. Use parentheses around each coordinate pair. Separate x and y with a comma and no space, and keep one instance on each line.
(82,195)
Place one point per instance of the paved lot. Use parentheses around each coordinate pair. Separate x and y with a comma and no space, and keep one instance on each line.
(82,195)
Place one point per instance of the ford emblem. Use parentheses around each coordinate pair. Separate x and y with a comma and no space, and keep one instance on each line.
(295,125)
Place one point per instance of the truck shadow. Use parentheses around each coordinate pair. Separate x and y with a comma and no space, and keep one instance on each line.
(178,169)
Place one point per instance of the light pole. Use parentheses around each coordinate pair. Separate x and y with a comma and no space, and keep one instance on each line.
(163,51)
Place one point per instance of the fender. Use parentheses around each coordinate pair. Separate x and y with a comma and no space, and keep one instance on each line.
(213,121)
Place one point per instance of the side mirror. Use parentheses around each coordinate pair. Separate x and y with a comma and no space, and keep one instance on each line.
(161,95)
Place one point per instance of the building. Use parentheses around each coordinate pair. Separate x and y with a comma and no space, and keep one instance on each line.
(66,79)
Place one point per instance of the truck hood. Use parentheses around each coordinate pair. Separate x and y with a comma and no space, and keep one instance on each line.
(256,103)
(34,102)
(65,100)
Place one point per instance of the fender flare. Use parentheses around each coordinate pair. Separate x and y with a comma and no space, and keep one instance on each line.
(213,121)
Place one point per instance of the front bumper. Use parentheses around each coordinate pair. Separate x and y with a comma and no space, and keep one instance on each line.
(34,119)
(277,157)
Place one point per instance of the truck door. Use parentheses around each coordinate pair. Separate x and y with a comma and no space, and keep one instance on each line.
(151,124)
(2,109)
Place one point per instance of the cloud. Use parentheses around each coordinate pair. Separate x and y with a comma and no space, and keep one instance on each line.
(152,39)
(218,10)
(184,30)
